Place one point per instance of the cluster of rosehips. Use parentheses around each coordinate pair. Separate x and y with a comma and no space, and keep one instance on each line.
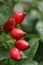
(16,33)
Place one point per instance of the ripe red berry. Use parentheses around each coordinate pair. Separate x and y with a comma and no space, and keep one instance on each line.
(22,45)
(14,54)
(17,33)
(19,16)
(9,25)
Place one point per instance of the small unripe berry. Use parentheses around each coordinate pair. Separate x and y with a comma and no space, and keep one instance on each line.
(15,54)
(17,33)
(19,17)
(9,25)
(22,45)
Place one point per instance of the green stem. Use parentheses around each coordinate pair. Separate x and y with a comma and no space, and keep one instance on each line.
(8,61)
(4,45)
(18,26)
(9,45)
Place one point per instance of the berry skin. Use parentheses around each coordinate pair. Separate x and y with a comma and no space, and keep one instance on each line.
(15,54)
(18,17)
(22,45)
(17,33)
(9,25)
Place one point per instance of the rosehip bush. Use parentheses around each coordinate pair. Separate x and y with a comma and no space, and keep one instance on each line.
(21,32)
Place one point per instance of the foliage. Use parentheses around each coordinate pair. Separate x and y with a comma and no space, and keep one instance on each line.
(35,53)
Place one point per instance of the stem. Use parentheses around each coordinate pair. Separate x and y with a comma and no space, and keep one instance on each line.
(4,45)
(23,55)
(9,45)
(8,61)
(18,26)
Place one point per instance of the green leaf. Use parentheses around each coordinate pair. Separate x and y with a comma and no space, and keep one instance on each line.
(3,19)
(34,45)
(4,37)
(1,55)
(4,62)
(6,10)
(41,62)
(4,54)
(26,62)
(6,41)
(29,63)
(30,36)
(7,62)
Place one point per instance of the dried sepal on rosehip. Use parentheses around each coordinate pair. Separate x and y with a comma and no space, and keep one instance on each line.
(15,54)
(9,25)
(17,33)
(18,17)
(22,45)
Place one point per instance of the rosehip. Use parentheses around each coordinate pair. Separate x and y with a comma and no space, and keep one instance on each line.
(14,54)
(17,33)
(22,45)
(9,25)
(18,17)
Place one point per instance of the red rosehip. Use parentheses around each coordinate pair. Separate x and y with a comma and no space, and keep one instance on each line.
(17,33)
(22,45)
(9,25)
(18,17)
(15,54)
